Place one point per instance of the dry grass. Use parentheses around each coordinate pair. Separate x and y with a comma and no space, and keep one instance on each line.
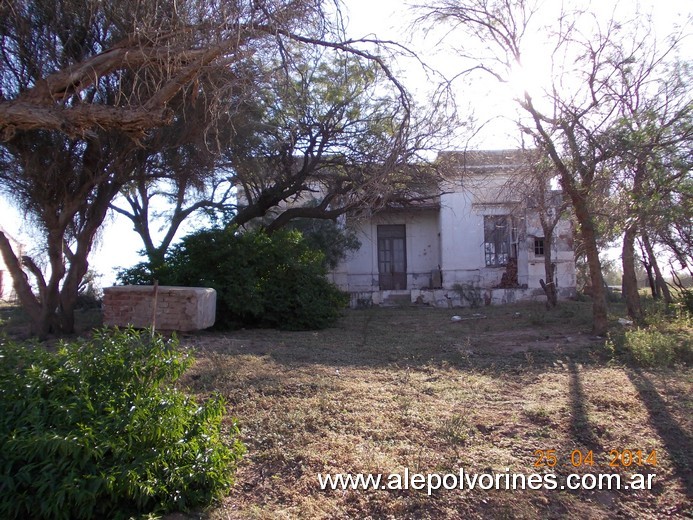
(389,389)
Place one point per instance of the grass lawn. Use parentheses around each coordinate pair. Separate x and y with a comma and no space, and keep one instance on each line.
(388,389)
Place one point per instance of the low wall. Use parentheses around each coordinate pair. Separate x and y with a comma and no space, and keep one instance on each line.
(177,308)
(450,298)
(481,297)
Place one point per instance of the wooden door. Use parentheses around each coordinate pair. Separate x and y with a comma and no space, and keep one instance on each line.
(392,257)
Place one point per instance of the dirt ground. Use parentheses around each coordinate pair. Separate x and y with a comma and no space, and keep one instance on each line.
(406,389)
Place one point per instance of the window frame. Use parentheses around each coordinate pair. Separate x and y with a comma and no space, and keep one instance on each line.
(499,246)
(539,243)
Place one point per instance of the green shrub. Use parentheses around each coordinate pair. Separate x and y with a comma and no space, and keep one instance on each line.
(261,280)
(335,241)
(648,347)
(96,430)
(685,300)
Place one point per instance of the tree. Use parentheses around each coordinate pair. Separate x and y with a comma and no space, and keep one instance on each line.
(669,203)
(65,185)
(179,176)
(85,85)
(654,139)
(569,117)
(168,45)
(329,140)
(321,135)
(532,182)
(263,280)
(329,237)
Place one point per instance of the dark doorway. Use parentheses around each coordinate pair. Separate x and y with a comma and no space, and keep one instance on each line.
(392,257)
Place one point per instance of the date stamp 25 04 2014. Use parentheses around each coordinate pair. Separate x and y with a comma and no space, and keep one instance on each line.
(616,458)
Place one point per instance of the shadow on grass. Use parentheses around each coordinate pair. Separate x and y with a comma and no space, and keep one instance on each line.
(491,338)
(677,441)
(580,426)
(441,394)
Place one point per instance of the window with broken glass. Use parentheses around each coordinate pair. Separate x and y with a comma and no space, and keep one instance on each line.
(500,240)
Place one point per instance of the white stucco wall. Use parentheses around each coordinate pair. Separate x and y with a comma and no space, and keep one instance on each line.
(360,270)
(462,239)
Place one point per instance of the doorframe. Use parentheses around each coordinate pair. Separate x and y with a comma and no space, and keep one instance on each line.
(401,277)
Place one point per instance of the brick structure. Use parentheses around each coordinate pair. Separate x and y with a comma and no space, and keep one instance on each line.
(177,308)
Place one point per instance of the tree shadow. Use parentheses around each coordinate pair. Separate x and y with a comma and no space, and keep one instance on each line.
(580,427)
(677,441)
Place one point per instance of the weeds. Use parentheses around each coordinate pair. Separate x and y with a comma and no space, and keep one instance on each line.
(419,392)
(645,347)
(529,357)
(537,318)
(388,389)
(664,341)
(456,429)
(538,415)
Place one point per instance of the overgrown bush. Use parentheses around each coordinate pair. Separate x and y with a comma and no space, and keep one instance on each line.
(261,280)
(96,430)
(686,300)
(650,347)
(335,241)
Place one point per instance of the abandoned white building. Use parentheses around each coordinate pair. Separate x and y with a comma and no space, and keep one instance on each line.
(6,285)
(478,242)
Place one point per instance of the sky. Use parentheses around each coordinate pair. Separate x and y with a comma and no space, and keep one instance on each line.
(118,244)
(393,20)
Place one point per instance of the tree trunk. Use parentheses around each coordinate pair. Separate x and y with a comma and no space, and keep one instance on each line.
(20,282)
(79,260)
(650,276)
(600,322)
(70,292)
(51,310)
(50,303)
(660,283)
(630,281)
(42,308)
(550,285)
(578,196)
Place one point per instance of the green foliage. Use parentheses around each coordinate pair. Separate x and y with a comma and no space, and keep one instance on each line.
(685,300)
(651,347)
(327,236)
(261,280)
(96,430)
(456,429)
